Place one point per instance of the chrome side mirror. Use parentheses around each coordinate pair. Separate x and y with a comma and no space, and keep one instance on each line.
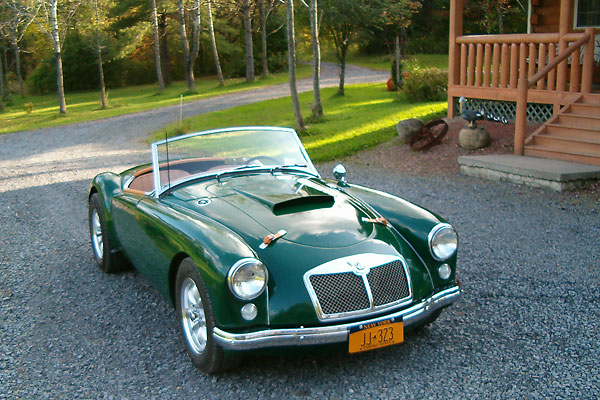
(339,172)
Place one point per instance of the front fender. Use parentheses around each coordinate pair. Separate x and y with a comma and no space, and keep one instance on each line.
(410,220)
(214,249)
(107,185)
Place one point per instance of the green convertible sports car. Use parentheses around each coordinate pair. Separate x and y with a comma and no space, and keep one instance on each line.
(255,250)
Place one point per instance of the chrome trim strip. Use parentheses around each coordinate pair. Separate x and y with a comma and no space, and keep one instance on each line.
(155,170)
(348,264)
(330,334)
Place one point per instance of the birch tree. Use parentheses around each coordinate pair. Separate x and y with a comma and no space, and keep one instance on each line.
(247,21)
(317,108)
(291,39)
(190,53)
(45,14)
(159,76)
(13,25)
(98,47)
(213,43)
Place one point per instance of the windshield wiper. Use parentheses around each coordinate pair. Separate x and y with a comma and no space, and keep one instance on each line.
(288,166)
(303,168)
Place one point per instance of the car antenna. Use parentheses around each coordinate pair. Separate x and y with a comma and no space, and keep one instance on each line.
(168,168)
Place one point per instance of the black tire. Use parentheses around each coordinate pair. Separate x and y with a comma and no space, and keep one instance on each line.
(421,325)
(205,353)
(107,259)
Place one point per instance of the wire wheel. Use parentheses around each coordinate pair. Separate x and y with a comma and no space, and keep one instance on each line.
(193,319)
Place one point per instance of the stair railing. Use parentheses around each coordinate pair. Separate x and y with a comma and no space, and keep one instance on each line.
(524,84)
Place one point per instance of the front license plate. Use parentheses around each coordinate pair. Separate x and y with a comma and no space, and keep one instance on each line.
(375,335)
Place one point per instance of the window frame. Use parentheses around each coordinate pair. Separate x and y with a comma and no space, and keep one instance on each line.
(575,25)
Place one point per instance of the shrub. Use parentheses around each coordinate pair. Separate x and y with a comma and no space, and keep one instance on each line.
(429,84)
(28,107)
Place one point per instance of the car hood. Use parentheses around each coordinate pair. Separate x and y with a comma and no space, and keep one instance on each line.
(322,224)
(312,213)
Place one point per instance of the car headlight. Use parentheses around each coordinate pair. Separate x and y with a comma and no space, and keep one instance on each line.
(443,241)
(247,278)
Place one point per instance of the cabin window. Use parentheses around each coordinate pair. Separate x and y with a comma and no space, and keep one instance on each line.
(587,13)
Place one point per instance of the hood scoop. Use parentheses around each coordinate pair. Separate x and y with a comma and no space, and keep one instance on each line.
(299,204)
(299,199)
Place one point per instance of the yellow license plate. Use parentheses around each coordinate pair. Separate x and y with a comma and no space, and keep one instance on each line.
(375,335)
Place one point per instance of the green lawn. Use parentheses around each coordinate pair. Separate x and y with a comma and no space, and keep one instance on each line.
(383,62)
(85,106)
(363,118)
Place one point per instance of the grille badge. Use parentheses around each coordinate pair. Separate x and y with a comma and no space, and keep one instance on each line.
(359,268)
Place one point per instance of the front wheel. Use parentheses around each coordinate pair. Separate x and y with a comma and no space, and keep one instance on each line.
(107,259)
(195,314)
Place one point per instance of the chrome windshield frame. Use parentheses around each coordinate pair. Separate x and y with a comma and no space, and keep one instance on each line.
(159,190)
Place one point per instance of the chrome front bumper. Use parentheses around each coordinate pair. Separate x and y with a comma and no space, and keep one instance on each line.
(333,333)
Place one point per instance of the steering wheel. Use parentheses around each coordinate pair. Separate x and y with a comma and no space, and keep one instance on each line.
(269,160)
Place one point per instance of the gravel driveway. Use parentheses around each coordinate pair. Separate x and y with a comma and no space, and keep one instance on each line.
(526,327)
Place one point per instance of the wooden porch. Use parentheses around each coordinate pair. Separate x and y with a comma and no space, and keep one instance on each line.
(547,68)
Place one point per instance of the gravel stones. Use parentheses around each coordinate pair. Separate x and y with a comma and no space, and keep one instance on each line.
(473,138)
(526,327)
(407,128)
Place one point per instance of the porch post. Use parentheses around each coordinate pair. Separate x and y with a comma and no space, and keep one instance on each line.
(565,23)
(588,62)
(456,29)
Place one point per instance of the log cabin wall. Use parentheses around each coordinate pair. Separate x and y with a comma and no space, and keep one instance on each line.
(545,18)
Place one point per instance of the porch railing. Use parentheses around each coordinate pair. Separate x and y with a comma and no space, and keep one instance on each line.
(499,61)
(556,69)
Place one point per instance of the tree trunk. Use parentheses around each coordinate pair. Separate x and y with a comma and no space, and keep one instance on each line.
(263,39)
(500,20)
(397,54)
(189,73)
(17,52)
(161,85)
(292,64)
(342,60)
(317,110)
(6,96)
(99,56)
(62,105)
(163,40)
(195,39)
(248,33)
(213,43)
(2,94)
(101,76)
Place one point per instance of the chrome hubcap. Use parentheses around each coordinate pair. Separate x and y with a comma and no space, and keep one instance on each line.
(193,318)
(97,241)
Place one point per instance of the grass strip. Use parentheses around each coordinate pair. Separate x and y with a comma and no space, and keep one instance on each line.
(33,112)
(364,117)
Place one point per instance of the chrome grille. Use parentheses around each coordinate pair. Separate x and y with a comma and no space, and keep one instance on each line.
(340,293)
(357,285)
(388,283)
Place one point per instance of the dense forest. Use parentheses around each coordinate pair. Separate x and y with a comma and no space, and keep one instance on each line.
(114,43)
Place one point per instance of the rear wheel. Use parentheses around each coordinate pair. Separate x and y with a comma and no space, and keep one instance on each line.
(195,314)
(107,259)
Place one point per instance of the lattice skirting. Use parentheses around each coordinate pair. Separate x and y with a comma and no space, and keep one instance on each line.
(535,112)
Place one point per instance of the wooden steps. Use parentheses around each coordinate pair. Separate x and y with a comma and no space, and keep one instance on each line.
(572,135)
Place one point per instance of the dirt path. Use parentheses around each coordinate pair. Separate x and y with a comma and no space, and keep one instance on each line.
(79,151)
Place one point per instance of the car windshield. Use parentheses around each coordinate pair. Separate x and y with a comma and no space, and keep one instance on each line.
(225,152)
